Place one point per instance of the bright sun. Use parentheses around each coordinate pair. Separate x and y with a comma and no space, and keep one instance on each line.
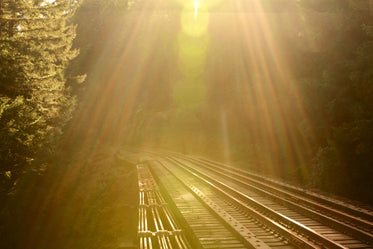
(196,5)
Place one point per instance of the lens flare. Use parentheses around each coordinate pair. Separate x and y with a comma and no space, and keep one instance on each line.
(196,5)
(192,44)
(192,25)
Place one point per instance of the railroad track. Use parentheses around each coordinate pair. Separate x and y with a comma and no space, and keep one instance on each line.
(356,221)
(211,222)
(157,227)
(217,206)
(357,213)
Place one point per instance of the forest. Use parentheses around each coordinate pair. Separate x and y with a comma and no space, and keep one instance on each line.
(283,88)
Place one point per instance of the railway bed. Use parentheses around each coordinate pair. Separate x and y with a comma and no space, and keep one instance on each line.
(355,221)
(196,203)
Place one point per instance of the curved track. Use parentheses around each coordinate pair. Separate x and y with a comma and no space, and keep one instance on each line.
(218,206)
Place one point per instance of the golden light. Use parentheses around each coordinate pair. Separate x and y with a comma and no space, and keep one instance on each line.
(196,5)
(192,54)
(190,90)
(189,22)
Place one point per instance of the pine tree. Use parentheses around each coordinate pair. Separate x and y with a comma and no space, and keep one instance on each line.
(35,100)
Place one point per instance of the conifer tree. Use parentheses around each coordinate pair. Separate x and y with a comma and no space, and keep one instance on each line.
(35,100)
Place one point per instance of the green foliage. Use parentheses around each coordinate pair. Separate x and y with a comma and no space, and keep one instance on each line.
(341,92)
(35,49)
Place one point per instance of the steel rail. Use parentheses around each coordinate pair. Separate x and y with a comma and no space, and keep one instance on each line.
(347,208)
(155,219)
(246,237)
(175,230)
(363,219)
(295,203)
(242,180)
(279,228)
(275,217)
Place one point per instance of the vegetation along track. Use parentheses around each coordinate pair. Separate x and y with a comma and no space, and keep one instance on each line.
(324,224)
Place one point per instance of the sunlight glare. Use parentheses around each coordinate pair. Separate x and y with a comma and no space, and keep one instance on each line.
(196,5)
